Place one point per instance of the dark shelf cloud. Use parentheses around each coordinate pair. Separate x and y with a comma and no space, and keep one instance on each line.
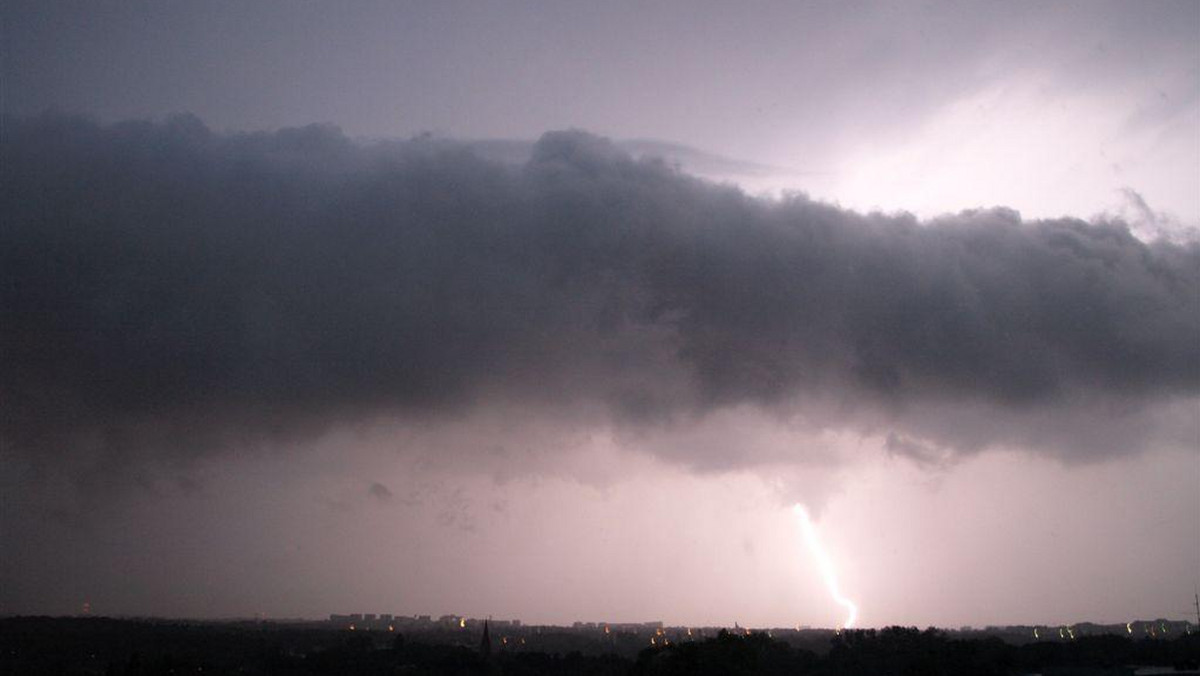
(168,289)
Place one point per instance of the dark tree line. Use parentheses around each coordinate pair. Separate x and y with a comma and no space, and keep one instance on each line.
(133,648)
(901,651)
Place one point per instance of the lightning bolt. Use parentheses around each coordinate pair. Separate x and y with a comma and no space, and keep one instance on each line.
(825,564)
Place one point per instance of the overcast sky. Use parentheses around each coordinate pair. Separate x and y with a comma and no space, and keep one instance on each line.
(392,308)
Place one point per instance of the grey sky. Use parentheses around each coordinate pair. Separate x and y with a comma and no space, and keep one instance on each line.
(543,377)
(1048,108)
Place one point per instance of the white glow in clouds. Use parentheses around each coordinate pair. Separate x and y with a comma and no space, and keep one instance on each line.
(825,564)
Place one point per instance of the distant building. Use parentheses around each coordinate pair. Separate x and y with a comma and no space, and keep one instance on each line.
(485,643)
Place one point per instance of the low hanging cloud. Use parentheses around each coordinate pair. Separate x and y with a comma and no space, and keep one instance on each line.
(170,290)
(379,491)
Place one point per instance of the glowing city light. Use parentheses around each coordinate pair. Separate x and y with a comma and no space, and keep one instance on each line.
(825,564)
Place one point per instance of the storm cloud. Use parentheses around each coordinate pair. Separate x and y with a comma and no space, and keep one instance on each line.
(168,289)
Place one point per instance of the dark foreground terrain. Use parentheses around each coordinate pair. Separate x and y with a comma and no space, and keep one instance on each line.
(38,645)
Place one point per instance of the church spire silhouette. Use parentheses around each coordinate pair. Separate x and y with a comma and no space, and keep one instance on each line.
(485,643)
